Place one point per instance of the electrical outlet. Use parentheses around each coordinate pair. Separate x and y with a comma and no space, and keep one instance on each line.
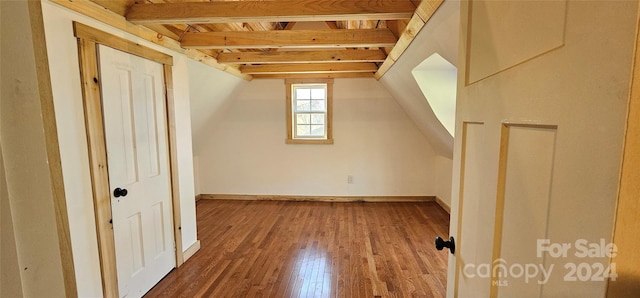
(350,179)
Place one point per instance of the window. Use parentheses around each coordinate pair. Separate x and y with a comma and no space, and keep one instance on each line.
(309,103)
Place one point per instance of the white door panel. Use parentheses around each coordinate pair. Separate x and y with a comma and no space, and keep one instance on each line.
(542,95)
(137,151)
(524,189)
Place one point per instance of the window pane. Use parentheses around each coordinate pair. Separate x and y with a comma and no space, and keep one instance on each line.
(317,130)
(317,105)
(317,118)
(303,130)
(303,93)
(303,105)
(303,118)
(318,93)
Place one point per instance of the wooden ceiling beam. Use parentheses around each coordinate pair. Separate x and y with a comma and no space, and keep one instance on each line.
(270,11)
(309,68)
(342,56)
(314,75)
(290,39)
(425,10)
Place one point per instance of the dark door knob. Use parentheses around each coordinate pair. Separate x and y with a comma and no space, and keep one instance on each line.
(120,192)
(451,244)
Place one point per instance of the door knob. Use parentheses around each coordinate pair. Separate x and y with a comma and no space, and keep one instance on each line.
(451,244)
(120,192)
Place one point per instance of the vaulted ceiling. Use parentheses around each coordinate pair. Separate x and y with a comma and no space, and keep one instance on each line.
(284,38)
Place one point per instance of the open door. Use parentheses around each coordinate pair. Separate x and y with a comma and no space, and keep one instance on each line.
(627,226)
(542,97)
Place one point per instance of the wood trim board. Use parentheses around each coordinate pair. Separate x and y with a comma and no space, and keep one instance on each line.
(298,198)
(45,91)
(88,33)
(443,205)
(98,165)
(173,163)
(191,251)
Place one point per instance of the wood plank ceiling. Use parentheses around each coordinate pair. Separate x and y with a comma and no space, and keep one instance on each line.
(287,38)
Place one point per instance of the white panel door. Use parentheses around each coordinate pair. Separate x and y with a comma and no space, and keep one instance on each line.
(542,96)
(133,100)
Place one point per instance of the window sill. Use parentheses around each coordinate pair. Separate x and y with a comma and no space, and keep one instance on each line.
(314,142)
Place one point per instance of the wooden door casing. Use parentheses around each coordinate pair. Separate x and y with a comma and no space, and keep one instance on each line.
(88,39)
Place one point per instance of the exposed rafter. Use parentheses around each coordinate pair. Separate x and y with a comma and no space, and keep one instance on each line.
(289,39)
(309,68)
(314,75)
(302,57)
(352,38)
(270,11)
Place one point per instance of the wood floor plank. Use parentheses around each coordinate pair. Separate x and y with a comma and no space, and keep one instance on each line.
(313,249)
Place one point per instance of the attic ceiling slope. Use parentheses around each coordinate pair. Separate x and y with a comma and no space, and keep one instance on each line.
(440,36)
(284,38)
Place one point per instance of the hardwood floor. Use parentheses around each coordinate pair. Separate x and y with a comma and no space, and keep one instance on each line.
(313,249)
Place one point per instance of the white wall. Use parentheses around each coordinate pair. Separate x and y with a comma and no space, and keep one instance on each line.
(444,176)
(375,141)
(63,57)
(196,175)
(31,237)
(211,94)
(10,282)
